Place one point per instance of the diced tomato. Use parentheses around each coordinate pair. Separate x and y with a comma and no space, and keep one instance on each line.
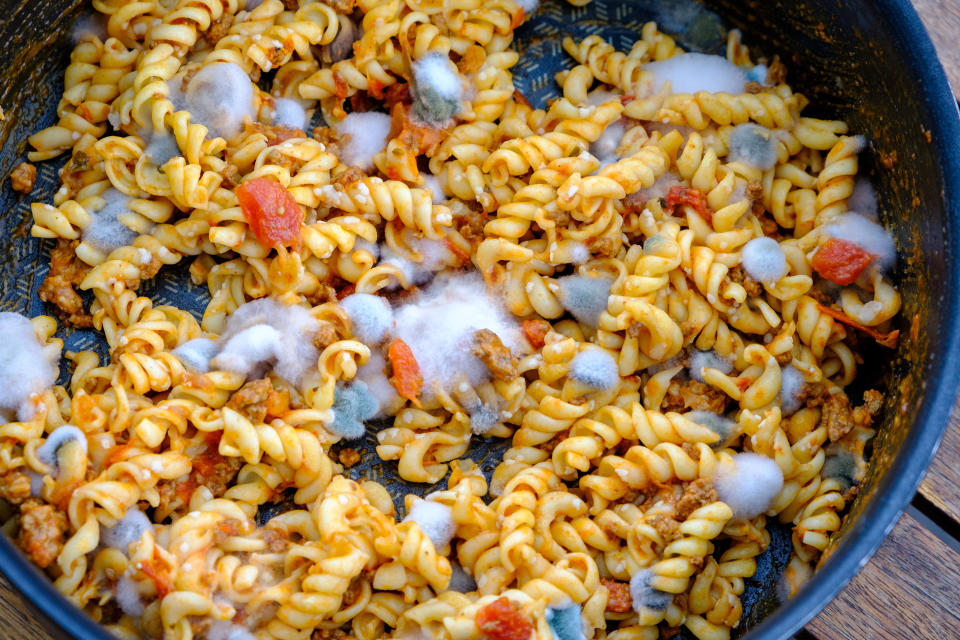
(883,339)
(841,261)
(272,213)
(406,371)
(688,197)
(159,575)
(501,620)
(204,463)
(535,330)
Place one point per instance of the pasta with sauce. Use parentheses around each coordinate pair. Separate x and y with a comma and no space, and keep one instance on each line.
(655,287)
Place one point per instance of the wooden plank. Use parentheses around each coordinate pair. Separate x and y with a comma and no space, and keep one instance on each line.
(908,590)
(942,484)
(16,620)
(942,19)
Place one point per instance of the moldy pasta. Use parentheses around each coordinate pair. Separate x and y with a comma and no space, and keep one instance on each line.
(656,287)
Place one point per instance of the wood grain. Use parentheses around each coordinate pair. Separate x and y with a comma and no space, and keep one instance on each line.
(942,20)
(942,484)
(16,620)
(909,590)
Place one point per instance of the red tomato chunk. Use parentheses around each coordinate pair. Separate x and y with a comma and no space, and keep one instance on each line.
(687,197)
(841,261)
(406,370)
(501,620)
(272,213)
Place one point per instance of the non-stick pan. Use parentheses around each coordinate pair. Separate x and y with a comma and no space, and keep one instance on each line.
(868,62)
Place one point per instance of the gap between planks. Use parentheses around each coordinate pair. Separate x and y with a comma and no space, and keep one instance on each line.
(909,589)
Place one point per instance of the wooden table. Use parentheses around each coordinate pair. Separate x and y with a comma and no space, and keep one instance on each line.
(911,587)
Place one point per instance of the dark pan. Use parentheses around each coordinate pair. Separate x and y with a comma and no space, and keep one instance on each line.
(869,63)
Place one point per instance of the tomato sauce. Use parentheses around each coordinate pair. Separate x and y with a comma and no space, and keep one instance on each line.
(501,620)
(406,371)
(687,197)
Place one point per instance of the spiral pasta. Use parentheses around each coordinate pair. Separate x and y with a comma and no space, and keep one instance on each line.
(654,289)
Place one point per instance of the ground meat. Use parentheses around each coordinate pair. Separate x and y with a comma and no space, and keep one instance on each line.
(635,203)
(768,225)
(276,542)
(58,288)
(605,246)
(210,469)
(231,177)
(348,457)
(228,528)
(872,403)
(823,298)
(755,190)
(342,6)
(23,177)
(275,133)
(41,531)
(753,87)
(329,138)
(15,486)
(250,400)
(619,600)
(219,28)
(667,632)
(667,527)
(488,347)
(738,275)
(291,5)
(697,494)
(328,634)
(325,336)
(348,177)
(469,221)
(653,494)
(784,358)
(837,415)
(812,395)
(694,396)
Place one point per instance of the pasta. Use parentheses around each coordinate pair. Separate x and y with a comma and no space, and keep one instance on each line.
(655,288)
